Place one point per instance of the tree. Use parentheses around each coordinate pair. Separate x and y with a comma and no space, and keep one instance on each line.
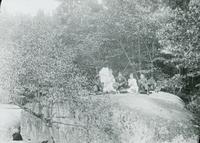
(44,78)
(180,36)
(118,33)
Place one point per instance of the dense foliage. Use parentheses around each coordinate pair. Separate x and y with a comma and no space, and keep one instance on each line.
(180,37)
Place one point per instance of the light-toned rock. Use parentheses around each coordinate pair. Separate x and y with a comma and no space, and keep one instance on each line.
(156,118)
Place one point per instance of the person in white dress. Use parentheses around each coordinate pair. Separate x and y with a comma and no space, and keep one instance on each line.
(133,86)
(107,79)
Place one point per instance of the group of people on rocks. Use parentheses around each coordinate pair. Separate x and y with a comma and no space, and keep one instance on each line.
(105,82)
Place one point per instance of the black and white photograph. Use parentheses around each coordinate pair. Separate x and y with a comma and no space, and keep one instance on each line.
(99,71)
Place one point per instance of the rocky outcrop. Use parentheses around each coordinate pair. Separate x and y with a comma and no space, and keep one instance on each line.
(155,118)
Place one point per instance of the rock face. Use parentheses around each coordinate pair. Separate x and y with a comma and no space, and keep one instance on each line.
(155,118)
(163,105)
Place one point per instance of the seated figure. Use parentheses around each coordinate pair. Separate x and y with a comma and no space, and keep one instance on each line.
(107,79)
(132,83)
(143,85)
(16,135)
(97,84)
(121,82)
(152,84)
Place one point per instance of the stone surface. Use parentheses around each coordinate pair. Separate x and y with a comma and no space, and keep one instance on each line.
(155,118)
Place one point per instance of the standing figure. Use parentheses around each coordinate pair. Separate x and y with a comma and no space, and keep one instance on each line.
(132,83)
(121,82)
(143,84)
(107,79)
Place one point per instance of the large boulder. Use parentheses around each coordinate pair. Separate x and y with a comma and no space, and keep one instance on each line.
(138,118)
(155,118)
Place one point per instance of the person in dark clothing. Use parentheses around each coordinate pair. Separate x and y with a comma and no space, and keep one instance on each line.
(97,85)
(143,85)
(151,84)
(17,137)
(121,82)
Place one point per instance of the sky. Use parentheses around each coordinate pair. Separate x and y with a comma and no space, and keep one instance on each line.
(28,6)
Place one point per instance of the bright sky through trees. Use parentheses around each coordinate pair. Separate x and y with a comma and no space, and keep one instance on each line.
(28,6)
